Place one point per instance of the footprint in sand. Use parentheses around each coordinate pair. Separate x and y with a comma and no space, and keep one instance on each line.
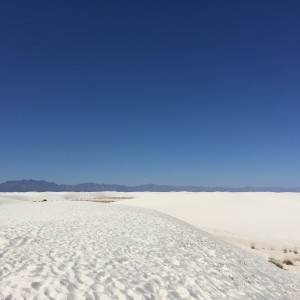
(36,285)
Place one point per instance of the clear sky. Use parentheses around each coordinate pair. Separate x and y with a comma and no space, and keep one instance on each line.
(167,92)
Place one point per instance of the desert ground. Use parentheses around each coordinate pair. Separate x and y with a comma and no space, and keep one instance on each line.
(267,222)
(149,245)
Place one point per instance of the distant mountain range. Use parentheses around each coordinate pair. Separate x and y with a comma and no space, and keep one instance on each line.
(44,186)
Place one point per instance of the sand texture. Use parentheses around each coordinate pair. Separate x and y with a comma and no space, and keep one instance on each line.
(86,250)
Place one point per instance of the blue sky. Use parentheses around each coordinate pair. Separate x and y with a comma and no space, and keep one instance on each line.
(167,92)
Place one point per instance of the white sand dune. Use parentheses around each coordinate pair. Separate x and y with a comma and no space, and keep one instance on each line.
(269,220)
(85,250)
(271,216)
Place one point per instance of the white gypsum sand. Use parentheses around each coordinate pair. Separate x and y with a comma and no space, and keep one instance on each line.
(86,250)
(268,220)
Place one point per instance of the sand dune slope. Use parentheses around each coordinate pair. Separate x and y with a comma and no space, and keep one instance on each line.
(80,250)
